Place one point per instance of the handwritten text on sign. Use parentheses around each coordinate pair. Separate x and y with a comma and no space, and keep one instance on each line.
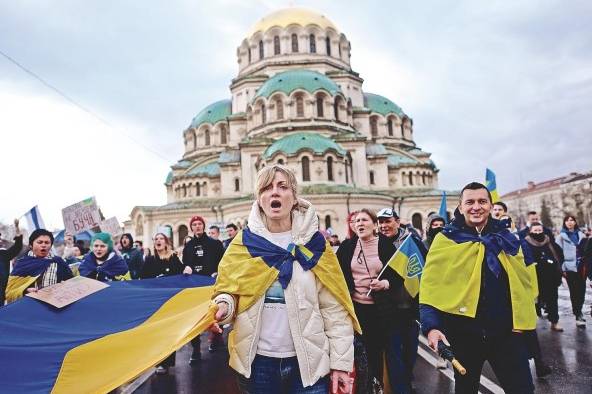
(81,216)
(65,293)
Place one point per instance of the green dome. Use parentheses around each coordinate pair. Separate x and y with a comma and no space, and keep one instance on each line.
(381,104)
(396,160)
(213,113)
(289,81)
(169,179)
(294,143)
(209,170)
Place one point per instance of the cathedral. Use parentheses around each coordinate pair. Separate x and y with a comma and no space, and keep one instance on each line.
(296,101)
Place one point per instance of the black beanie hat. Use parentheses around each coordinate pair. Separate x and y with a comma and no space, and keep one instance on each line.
(38,233)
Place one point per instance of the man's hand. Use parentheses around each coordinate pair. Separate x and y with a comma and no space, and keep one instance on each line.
(340,380)
(379,285)
(220,315)
(187,271)
(434,336)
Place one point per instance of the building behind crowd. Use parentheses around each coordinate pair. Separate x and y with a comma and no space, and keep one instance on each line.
(553,199)
(297,101)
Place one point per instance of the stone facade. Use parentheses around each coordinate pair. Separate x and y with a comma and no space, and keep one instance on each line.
(296,101)
(553,199)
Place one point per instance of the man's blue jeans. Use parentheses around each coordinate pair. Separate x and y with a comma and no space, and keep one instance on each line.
(270,375)
(401,353)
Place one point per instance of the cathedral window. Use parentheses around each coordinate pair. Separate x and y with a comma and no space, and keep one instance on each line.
(423,178)
(330,168)
(389,124)
(410,179)
(328,44)
(236,184)
(280,161)
(139,226)
(184,191)
(305,169)
(294,43)
(261,53)
(276,45)
(223,135)
(339,46)
(346,171)
(327,221)
(313,43)
(279,108)
(249,55)
(299,106)
(320,105)
(263,114)
(374,126)
(336,107)
(372,177)
(207,138)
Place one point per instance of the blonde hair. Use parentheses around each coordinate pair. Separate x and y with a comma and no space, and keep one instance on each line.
(265,178)
(168,250)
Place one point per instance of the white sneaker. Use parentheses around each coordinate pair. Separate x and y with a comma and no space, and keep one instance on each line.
(160,370)
(580,321)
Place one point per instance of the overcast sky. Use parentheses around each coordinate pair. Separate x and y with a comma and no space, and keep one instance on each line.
(498,84)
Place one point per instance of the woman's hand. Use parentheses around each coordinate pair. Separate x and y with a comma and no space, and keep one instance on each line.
(220,315)
(341,380)
(31,290)
(188,270)
(379,285)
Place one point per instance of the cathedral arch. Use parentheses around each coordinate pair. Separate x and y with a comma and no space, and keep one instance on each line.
(305,163)
(276,45)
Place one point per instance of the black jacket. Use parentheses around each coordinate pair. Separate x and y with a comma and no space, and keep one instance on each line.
(5,256)
(154,267)
(203,255)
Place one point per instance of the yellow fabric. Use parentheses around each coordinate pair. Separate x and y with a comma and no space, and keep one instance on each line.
(451,281)
(126,276)
(89,368)
(247,278)
(17,285)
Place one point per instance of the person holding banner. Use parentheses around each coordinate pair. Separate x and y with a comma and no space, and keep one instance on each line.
(102,263)
(38,269)
(476,294)
(362,257)
(280,283)
(165,262)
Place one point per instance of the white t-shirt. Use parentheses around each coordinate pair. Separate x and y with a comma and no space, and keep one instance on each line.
(275,338)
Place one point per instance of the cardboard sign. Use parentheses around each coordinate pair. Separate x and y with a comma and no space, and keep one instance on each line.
(81,216)
(65,293)
(111,226)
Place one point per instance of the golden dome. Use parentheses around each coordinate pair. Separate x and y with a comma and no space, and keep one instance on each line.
(291,16)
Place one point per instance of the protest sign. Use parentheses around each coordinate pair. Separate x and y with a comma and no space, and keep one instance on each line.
(67,292)
(111,226)
(81,216)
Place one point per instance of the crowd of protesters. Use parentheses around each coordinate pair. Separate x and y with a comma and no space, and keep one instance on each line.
(385,349)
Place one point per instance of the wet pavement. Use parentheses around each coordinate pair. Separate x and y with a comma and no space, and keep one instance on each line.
(568,353)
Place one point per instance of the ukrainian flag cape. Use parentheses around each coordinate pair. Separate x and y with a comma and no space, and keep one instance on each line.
(252,263)
(25,273)
(102,341)
(451,279)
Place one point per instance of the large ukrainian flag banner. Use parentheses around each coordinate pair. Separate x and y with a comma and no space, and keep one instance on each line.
(408,261)
(102,341)
(491,184)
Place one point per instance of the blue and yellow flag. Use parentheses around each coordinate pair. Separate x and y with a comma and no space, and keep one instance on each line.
(491,185)
(408,262)
(102,341)
(443,211)
(251,264)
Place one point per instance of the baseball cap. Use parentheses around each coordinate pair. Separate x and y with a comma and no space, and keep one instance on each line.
(387,213)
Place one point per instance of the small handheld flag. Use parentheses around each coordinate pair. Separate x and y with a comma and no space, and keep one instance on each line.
(408,262)
(491,185)
(34,220)
(443,212)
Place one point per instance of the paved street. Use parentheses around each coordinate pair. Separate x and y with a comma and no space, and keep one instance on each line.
(568,353)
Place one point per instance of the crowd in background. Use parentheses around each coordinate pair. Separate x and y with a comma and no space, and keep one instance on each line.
(389,323)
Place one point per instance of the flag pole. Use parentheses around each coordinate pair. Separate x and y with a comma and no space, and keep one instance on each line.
(386,265)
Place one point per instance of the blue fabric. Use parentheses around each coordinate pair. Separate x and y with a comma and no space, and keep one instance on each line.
(573,236)
(34,266)
(280,258)
(271,375)
(35,337)
(112,267)
(443,211)
(496,241)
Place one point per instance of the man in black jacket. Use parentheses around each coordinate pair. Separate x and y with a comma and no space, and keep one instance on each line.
(5,256)
(201,256)
(403,340)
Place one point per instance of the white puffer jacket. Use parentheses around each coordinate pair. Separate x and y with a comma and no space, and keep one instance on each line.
(321,328)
